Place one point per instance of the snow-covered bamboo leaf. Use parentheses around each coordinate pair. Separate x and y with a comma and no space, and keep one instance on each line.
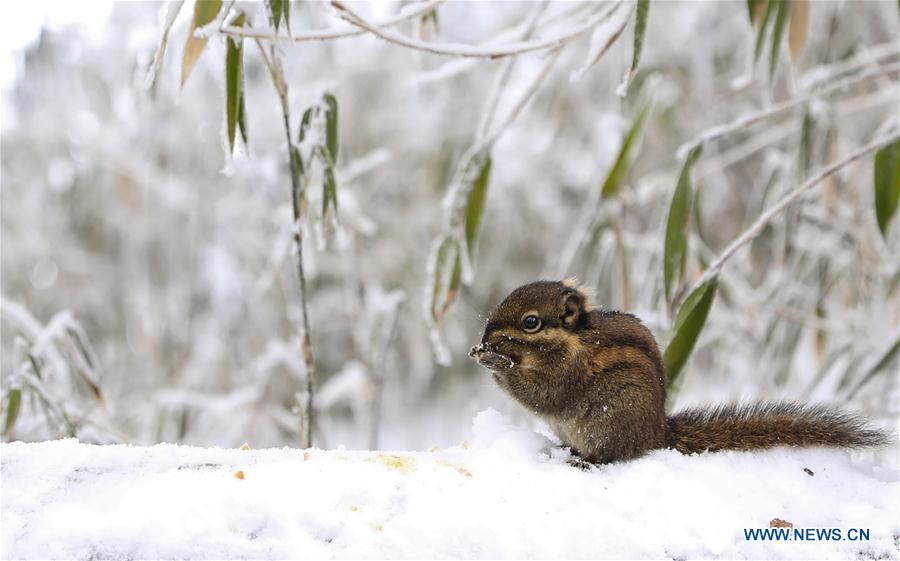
(234,91)
(677,225)
(205,11)
(887,185)
(13,404)
(783,12)
(331,125)
(622,165)
(798,27)
(446,280)
(475,204)
(640,28)
(688,324)
(763,25)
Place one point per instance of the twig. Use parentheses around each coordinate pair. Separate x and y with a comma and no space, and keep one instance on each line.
(487,116)
(757,227)
(719,131)
(463,50)
(413,12)
(306,409)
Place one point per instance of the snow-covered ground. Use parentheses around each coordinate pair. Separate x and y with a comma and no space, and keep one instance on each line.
(506,494)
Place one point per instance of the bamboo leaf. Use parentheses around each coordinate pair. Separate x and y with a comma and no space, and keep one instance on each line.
(675,253)
(331,126)
(329,187)
(689,323)
(887,185)
(476,203)
(276,9)
(446,281)
(234,78)
(205,11)
(798,27)
(13,404)
(286,9)
(761,32)
(620,168)
(640,28)
(751,10)
(305,123)
(782,14)
(242,114)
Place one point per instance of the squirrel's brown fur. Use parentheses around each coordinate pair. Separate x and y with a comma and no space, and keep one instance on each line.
(598,380)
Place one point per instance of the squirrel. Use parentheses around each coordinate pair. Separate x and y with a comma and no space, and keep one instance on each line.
(597,378)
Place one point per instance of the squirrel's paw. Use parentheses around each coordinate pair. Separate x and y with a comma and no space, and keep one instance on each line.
(581,463)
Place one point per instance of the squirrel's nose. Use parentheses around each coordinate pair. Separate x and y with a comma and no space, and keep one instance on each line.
(476,350)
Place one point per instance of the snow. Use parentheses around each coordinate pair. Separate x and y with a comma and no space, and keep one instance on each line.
(508,494)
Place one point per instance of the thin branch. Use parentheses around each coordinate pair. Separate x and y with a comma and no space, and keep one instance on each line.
(410,12)
(747,120)
(463,50)
(487,116)
(764,219)
(306,409)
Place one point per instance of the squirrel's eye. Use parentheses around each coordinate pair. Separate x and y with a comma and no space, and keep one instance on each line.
(531,323)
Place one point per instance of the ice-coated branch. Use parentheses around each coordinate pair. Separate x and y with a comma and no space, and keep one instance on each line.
(462,50)
(409,12)
(719,131)
(754,230)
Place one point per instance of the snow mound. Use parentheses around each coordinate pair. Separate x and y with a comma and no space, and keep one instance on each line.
(507,495)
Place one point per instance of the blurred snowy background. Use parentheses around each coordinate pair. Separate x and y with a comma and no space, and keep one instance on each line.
(148,287)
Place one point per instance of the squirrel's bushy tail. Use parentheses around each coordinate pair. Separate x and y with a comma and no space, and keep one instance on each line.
(766,425)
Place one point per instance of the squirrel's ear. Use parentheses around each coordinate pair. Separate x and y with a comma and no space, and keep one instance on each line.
(572,304)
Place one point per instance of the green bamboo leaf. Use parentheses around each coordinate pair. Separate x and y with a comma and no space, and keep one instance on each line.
(234,78)
(640,28)
(331,126)
(761,32)
(807,131)
(782,14)
(887,185)
(688,324)
(242,114)
(276,9)
(623,162)
(205,11)
(13,404)
(286,8)
(476,203)
(305,123)
(329,186)
(751,9)
(675,254)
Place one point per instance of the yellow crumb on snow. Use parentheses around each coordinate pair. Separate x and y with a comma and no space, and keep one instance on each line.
(464,444)
(244,446)
(460,469)
(306,456)
(433,449)
(239,474)
(403,464)
(354,508)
